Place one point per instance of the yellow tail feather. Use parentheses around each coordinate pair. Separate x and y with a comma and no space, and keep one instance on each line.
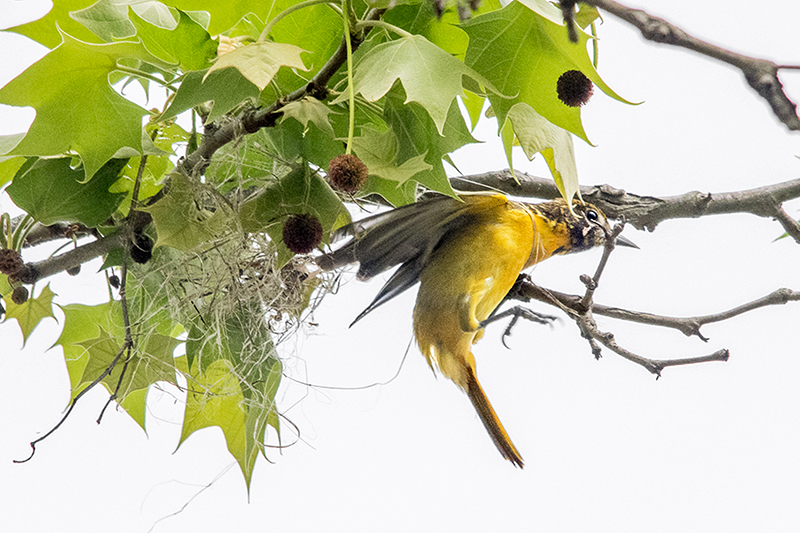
(490,420)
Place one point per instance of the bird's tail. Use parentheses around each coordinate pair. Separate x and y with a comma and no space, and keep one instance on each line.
(490,420)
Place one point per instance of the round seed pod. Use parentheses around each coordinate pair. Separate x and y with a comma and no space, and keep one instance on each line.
(302,233)
(10,261)
(347,173)
(574,88)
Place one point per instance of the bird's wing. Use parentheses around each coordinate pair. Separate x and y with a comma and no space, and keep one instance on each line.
(405,236)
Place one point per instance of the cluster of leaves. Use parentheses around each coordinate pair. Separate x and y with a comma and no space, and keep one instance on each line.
(394,104)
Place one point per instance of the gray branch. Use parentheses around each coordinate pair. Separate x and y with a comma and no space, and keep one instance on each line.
(646,212)
(525,290)
(761,74)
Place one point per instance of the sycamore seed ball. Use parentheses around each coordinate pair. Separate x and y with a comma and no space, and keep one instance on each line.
(347,173)
(10,262)
(141,248)
(302,233)
(574,88)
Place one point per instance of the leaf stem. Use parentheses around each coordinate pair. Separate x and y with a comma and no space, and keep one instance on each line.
(146,75)
(352,101)
(285,13)
(385,25)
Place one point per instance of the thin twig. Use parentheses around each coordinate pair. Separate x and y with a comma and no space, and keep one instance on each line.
(525,290)
(594,282)
(654,366)
(761,74)
(77,397)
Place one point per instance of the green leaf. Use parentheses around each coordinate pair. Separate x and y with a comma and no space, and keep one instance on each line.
(8,142)
(215,398)
(145,366)
(188,216)
(430,76)
(309,109)
(379,152)
(474,105)
(523,49)
(91,339)
(220,16)
(299,192)
(390,191)
(52,191)
(73,97)
(47,30)
(188,44)
(417,135)
(259,62)
(108,19)
(536,134)
(83,322)
(290,141)
(166,135)
(239,346)
(29,314)
(317,29)
(227,88)
(586,15)
(5,286)
(444,32)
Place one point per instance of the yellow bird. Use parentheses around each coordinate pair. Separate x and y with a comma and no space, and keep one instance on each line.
(466,255)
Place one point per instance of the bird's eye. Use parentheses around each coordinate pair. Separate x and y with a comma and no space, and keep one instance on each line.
(592,215)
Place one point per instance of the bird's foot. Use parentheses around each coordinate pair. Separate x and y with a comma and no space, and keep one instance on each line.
(518,312)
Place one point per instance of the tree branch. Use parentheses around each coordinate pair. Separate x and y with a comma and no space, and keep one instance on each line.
(525,290)
(646,212)
(762,75)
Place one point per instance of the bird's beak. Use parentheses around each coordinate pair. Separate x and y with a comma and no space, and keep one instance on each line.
(622,241)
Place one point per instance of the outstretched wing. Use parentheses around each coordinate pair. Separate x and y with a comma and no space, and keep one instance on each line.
(405,236)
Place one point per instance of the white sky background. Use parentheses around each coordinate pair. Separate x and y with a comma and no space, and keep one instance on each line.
(713,447)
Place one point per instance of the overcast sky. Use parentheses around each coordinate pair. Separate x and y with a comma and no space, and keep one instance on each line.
(607,448)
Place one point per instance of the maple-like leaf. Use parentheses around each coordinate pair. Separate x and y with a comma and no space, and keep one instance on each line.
(91,340)
(538,135)
(260,61)
(430,76)
(187,43)
(105,15)
(523,49)
(148,364)
(182,219)
(83,322)
(417,135)
(309,109)
(215,398)
(379,152)
(73,97)
(227,88)
(50,190)
(31,312)
(445,31)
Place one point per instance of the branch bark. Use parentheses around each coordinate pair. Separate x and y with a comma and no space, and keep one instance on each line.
(525,290)
(646,212)
(761,74)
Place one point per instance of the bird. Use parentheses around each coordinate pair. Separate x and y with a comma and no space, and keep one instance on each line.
(466,253)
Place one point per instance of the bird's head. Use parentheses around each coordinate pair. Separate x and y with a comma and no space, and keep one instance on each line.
(585,227)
